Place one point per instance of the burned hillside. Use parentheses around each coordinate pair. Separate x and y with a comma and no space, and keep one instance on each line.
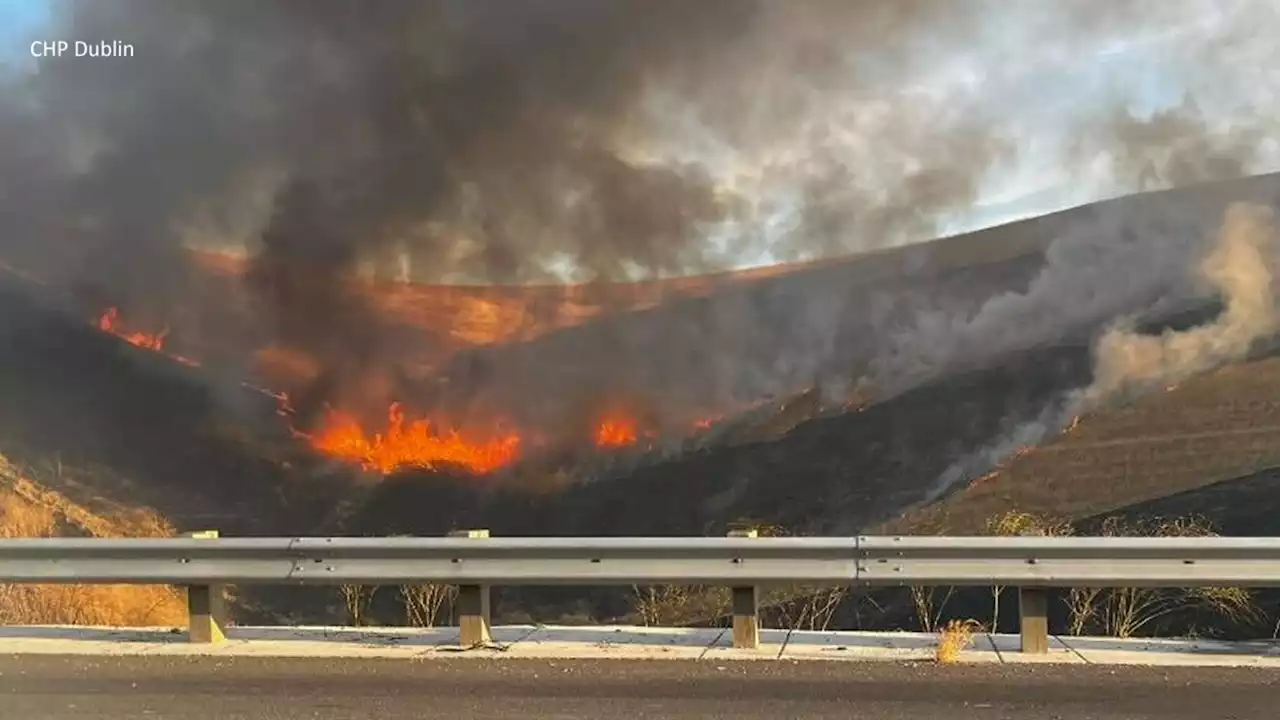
(836,454)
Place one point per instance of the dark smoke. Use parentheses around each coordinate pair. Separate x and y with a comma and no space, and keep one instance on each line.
(493,141)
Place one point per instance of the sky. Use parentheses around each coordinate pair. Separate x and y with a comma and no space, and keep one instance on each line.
(18,18)
(1033,96)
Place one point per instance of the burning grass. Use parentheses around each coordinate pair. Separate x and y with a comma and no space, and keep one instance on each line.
(410,443)
(110,322)
(404,442)
(616,432)
(29,510)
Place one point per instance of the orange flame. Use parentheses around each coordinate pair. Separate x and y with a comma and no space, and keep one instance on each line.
(404,443)
(410,444)
(616,432)
(109,322)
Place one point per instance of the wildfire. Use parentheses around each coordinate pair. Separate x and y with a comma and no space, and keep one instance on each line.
(109,322)
(616,432)
(404,442)
(413,443)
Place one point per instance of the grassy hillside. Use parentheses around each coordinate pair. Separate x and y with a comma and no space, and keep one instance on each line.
(31,509)
(206,452)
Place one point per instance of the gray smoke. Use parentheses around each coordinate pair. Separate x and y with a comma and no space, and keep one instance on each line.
(499,142)
(1122,260)
(1239,266)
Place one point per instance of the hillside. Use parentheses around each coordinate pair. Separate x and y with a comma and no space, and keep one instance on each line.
(205,451)
(31,508)
(893,319)
(127,426)
(1199,435)
(832,474)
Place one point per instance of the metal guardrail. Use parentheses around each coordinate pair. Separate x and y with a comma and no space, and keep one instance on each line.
(475,561)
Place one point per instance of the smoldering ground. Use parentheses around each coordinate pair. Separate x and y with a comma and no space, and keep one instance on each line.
(499,142)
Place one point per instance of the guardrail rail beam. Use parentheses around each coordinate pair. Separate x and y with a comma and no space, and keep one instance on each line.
(474,618)
(204,564)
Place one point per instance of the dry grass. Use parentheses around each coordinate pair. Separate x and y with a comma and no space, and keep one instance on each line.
(954,639)
(29,510)
(1127,612)
(357,599)
(680,605)
(423,603)
(1016,523)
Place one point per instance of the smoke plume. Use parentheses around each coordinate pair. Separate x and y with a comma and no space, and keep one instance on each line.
(1239,267)
(495,142)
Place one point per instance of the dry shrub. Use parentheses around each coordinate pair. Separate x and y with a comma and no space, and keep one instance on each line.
(930,604)
(423,603)
(795,607)
(357,599)
(27,510)
(803,607)
(954,639)
(1125,612)
(1016,523)
(681,605)
(101,605)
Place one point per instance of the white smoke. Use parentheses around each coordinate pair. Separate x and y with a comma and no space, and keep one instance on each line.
(1240,267)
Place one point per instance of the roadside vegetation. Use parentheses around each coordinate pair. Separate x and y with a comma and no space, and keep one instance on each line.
(27,509)
(1113,612)
(948,611)
(954,639)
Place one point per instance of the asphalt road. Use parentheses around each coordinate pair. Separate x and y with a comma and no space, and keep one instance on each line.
(53,688)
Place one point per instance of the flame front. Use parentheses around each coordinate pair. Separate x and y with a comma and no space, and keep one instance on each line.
(616,432)
(109,322)
(413,443)
(404,443)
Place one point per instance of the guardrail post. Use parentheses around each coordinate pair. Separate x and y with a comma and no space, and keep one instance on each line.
(473,604)
(206,607)
(746,608)
(1033,620)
